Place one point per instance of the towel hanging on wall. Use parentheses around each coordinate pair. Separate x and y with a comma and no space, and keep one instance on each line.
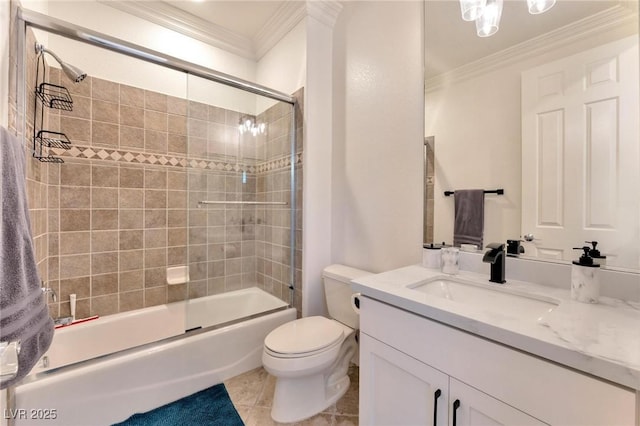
(24,315)
(468,226)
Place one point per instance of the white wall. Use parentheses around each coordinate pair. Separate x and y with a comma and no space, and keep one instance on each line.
(378,135)
(317,167)
(283,67)
(105,19)
(477,129)
(112,66)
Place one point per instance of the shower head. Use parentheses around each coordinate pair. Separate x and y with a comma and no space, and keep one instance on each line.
(74,73)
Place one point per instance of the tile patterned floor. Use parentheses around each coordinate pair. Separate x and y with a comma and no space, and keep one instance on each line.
(252,395)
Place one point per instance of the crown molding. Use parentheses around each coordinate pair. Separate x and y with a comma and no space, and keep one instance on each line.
(325,11)
(175,19)
(591,26)
(288,15)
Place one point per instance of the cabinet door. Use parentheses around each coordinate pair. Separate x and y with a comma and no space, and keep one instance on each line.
(470,407)
(398,390)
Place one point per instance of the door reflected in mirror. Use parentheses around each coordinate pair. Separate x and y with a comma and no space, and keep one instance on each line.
(546,108)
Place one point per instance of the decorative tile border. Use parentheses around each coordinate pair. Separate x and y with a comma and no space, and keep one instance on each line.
(279,163)
(133,157)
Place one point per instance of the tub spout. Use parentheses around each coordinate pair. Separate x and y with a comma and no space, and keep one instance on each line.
(63,321)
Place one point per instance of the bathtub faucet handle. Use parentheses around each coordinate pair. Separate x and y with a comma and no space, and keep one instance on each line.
(47,291)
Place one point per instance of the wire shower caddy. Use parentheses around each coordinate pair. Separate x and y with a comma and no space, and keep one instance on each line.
(51,96)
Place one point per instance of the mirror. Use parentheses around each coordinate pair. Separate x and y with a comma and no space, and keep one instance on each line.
(492,121)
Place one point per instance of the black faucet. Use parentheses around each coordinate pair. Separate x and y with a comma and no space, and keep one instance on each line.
(496,257)
(514,248)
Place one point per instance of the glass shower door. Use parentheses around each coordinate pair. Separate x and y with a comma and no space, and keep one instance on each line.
(239,202)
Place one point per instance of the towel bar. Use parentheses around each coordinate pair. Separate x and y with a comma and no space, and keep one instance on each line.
(486,191)
(249,203)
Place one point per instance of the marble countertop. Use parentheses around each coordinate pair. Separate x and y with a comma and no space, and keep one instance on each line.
(600,339)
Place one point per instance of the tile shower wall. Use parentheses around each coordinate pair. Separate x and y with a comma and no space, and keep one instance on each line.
(233,247)
(123,207)
(117,207)
(36,172)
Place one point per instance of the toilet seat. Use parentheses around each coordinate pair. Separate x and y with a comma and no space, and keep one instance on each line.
(304,337)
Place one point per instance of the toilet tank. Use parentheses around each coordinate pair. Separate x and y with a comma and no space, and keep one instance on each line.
(337,291)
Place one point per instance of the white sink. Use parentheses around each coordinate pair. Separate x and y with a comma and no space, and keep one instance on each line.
(490,297)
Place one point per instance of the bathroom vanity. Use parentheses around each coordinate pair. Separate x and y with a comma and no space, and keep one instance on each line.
(458,350)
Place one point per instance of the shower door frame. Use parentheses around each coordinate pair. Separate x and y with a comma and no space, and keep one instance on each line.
(25,18)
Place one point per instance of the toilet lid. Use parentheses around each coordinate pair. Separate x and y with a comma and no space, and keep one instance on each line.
(304,335)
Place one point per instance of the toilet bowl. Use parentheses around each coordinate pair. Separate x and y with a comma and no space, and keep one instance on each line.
(310,356)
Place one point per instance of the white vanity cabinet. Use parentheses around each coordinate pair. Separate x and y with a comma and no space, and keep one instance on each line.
(406,358)
(473,407)
(400,390)
(397,389)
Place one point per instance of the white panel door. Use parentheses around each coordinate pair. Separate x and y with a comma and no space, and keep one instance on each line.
(398,390)
(581,155)
(470,407)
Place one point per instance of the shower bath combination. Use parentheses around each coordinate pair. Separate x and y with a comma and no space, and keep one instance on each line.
(195,355)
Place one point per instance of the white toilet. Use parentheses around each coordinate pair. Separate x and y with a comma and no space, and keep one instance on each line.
(310,356)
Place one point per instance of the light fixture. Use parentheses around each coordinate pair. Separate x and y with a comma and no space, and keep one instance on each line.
(487,13)
(540,6)
(471,9)
(248,125)
(489,22)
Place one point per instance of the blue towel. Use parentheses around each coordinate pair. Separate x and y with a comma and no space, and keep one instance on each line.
(24,315)
(468,226)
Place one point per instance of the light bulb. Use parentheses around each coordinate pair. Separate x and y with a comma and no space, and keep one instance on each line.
(540,6)
(472,9)
(489,22)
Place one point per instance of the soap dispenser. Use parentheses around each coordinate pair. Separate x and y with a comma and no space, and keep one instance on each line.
(432,256)
(595,254)
(585,280)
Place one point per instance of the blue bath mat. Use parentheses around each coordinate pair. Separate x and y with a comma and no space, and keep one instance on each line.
(211,406)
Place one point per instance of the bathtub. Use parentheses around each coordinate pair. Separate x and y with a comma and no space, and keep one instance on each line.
(86,383)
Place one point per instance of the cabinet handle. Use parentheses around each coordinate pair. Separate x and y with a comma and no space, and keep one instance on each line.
(436,395)
(456,404)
